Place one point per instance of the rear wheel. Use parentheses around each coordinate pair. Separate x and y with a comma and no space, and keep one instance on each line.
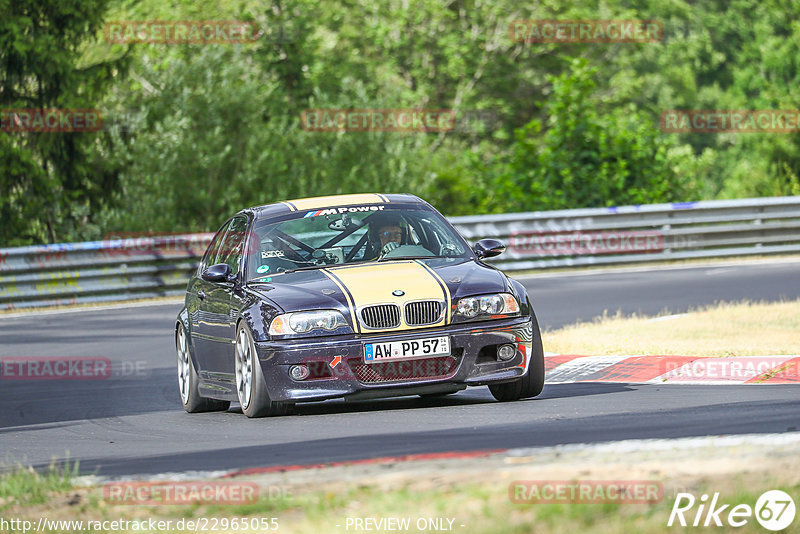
(530,384)
(250,384)
(188,380)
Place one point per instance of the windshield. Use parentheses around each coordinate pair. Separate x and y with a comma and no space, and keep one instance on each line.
(361,234)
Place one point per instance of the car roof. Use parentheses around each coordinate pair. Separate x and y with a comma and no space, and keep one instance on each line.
(314,203)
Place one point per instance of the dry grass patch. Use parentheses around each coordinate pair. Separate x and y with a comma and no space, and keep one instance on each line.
(725,329)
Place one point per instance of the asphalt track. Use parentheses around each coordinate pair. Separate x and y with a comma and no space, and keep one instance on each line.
(132,423)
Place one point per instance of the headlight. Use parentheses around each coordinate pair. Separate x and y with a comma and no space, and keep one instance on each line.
(487,305)
(304,322)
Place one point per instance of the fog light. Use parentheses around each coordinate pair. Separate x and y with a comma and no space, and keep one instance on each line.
(299,372)
(506,352)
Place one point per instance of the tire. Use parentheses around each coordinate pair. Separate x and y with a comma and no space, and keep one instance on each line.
(188,380)
(250,384)
(532,382)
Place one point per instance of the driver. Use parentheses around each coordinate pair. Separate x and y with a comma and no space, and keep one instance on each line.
(386,233)
(390,237)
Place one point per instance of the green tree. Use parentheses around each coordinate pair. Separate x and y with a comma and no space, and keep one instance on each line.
(214,128)
(219,130)
(52,183)
(587,157)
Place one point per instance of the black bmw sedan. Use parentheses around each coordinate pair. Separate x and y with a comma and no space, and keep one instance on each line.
(357,296)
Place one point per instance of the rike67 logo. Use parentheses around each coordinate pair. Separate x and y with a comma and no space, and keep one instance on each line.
(774,510)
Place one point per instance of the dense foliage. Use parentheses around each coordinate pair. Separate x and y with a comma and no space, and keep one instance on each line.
(194,132)
(52,186)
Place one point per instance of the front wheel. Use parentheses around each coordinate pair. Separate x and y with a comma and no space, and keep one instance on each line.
(532,382)
(188,380)
(250,384)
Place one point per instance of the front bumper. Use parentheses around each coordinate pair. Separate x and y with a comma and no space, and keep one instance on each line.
(472,362)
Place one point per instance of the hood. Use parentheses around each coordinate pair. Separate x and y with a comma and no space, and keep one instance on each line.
(350,288)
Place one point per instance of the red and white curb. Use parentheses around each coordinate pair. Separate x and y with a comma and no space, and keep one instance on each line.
(571,368)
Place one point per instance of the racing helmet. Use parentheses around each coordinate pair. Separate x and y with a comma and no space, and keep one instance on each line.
(382,220)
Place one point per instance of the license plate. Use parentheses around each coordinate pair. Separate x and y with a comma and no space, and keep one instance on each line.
(403,350)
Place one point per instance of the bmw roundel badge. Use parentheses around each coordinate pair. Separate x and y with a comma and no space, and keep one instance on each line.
(398,292)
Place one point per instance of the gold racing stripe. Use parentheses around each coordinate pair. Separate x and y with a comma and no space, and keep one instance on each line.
(336,201)
(289,205)
(444,288)
(373,284)
(348,297)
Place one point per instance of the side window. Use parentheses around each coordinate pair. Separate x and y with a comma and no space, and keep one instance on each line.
(209,258)
(232,248)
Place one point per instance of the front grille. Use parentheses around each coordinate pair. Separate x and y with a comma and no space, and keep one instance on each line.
(403,370)
(424,312)
(381,316)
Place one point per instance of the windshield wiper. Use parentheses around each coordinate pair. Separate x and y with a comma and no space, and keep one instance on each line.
(260,279)
(413,258)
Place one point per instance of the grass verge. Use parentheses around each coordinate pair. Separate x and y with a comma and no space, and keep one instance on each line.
(470,507)
(725,329)
(23,486)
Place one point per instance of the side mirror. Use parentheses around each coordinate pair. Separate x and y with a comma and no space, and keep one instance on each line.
(489,248)
(220,272)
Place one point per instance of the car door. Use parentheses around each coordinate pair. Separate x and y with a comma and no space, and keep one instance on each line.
(196,293)
(222,303)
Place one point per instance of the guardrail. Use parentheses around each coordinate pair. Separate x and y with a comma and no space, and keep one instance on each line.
(124,268)
(120,268)
(633,234)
